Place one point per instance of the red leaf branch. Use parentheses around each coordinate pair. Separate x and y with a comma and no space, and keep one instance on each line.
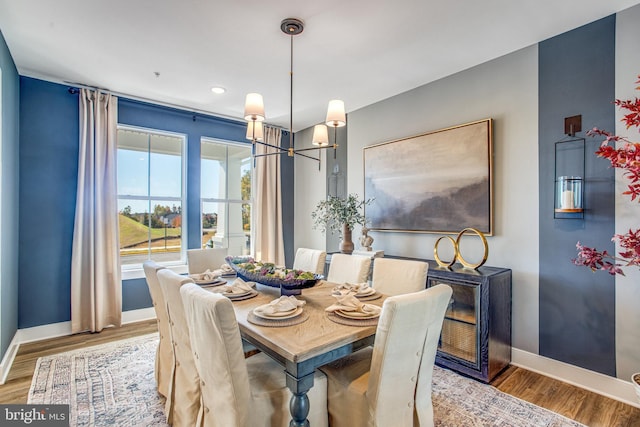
(627,158)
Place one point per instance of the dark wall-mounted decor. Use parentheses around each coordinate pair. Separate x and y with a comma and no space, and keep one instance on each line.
(436,182)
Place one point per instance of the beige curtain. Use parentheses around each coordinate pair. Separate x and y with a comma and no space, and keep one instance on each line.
(269,244)
(96,289)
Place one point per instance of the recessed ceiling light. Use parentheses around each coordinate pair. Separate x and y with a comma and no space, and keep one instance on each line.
(218,90)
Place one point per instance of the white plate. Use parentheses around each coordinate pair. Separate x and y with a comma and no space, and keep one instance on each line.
(356,314)
(280,316)
(209,282)
(236,294)
(368,292)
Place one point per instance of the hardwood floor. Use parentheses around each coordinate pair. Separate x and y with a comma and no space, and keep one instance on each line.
(573,402)
(581,405)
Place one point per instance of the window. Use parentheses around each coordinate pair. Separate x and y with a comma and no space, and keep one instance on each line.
(150,196)
(225,180)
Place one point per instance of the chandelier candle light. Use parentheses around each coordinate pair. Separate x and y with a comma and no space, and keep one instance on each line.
(254,113)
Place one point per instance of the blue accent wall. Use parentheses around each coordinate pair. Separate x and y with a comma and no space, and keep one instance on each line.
(577,307)
(9,193)
(49,133)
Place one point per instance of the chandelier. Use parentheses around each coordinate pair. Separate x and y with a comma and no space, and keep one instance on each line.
(254,113)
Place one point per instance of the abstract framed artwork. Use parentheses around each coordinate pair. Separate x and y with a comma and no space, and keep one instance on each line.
(436,182)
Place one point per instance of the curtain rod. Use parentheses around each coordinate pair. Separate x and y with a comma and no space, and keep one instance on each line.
(76,86)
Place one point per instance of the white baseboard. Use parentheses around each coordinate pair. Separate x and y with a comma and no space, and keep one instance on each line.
(54,330)
(596,382)
(7,360)
(133,316)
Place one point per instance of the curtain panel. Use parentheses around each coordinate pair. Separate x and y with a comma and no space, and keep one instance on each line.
(269,244)
(96,288)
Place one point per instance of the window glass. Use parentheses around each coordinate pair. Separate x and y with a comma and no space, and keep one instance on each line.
(150,196)
(226,179)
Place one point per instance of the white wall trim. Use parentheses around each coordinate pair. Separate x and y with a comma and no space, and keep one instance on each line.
(605,385)
(54,330)
(133,316)
(7,360)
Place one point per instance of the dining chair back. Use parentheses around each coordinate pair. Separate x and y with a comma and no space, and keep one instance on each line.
(239,392)
(201,260)
(310,260)
(183,403)
(164,354)
(389,384)
(348,268)
(399,276)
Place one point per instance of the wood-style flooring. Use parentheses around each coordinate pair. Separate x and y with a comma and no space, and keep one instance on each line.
(573,402)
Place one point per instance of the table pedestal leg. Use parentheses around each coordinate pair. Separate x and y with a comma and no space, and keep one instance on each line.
(299,407)
(299,386)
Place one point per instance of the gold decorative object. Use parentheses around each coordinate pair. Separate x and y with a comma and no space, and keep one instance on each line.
(457,256)
(455,252)
(484,243)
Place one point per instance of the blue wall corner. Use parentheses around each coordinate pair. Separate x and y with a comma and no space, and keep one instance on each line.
(10,197)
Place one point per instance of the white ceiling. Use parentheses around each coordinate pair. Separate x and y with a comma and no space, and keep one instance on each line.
(361,51)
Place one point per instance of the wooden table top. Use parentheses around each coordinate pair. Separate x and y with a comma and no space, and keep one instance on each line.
(316,336)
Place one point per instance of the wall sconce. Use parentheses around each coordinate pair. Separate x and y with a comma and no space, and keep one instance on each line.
(569,168)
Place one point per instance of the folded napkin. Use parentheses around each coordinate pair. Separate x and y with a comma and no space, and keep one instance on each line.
(352,288)
(225,269)
(207,275)
(238,286)
(282,304)
(350,303)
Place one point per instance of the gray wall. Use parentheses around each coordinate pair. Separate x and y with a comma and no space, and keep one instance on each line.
(505,89)
(9,224)
(627,212)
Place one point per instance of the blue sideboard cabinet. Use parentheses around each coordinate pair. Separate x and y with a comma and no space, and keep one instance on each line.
(476,331)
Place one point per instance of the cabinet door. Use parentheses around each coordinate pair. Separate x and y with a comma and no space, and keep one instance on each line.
(460,338)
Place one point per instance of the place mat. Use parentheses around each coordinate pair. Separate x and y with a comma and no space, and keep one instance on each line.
(352,322)
(252,318)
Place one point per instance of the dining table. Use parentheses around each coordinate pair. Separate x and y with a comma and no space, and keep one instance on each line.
(305,346)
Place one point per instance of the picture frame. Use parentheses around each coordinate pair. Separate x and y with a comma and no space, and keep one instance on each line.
(435,182)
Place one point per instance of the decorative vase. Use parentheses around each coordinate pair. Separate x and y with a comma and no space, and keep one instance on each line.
(635,380)
(346,245)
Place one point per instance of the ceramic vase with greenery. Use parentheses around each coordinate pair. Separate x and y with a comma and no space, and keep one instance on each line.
(342,215)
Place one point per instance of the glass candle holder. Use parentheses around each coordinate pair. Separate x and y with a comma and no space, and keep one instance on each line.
(569,194)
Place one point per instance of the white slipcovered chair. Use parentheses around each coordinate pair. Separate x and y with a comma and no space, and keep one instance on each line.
(201,260)
(239,392)
(399,276)
(389,384)
(183,403)
(310,260)
(164,354)
(348,268)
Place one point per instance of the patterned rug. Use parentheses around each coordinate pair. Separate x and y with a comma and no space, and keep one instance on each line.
(113,385)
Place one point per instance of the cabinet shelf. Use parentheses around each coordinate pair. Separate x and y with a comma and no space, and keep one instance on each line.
(461,313)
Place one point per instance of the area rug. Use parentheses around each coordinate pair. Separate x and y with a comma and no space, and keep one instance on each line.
(113,384)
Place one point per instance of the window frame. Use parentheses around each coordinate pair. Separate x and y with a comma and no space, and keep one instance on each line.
(227,201)
(131,271)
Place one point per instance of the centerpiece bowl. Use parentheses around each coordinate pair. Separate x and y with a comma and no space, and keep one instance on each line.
(290,281)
